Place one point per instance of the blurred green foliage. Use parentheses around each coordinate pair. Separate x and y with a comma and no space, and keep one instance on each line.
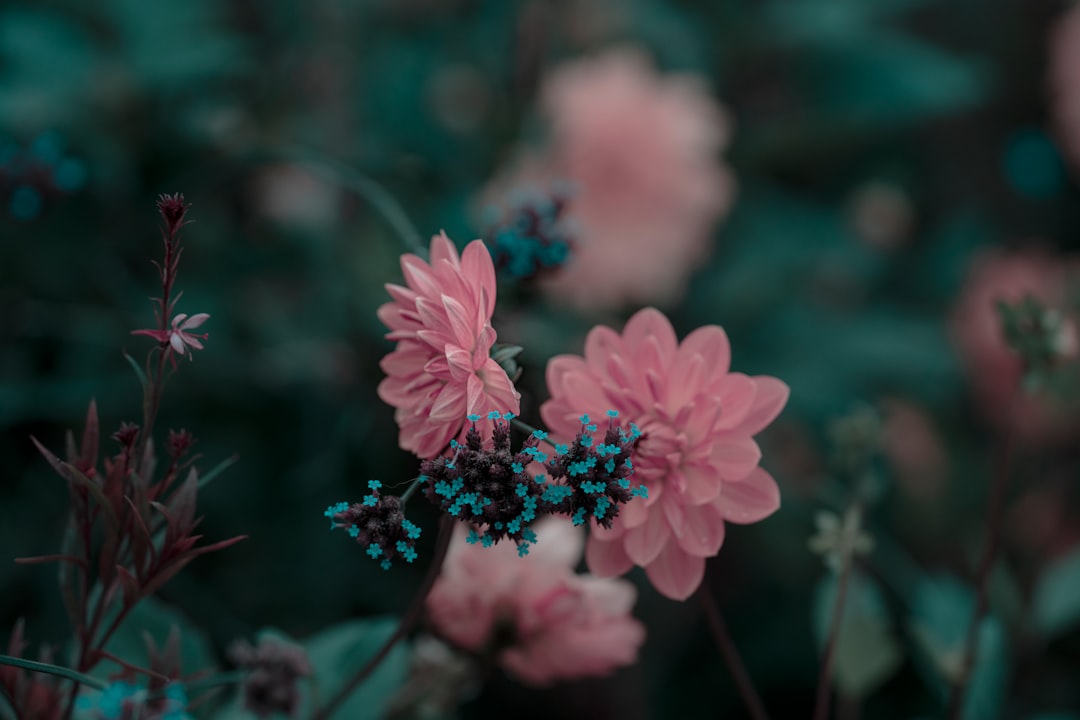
(942,104)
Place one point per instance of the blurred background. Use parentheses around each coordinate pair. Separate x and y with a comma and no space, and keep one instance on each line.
(843,185)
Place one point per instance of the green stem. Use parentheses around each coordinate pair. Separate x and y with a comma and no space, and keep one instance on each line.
(521,425)
(352,179)
(51,669)
(411,490)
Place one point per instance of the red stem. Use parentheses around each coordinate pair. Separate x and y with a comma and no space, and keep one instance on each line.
(994,513)
(824,687)
(731,656)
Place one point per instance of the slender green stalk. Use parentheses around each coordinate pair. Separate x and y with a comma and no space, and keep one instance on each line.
(521,425)
(50,669)
(367,188)
(411,490)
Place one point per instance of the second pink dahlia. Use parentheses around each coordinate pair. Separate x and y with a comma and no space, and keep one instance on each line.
(441,369)
(697,458)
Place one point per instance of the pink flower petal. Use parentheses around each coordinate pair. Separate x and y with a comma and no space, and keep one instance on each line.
(647,323)
(702,531)
(443,249)
(772,395)
(479,271)
(734,458)
(607,559)
(675,573)
(738,394)
(497,386)
(711,342)
(449,403)
(644,542)
(749,500)
(194,321)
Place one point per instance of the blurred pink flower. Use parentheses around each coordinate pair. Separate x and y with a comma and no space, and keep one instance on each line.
(697,458)
(562,625)
(441,370)
(1064,81)
(641,152)
(993,369)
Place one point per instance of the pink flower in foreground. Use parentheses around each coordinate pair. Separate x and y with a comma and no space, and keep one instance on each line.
(178,337)
(1064,81)
(995,370)
(561,625)
(641,151)
(441,370)
(697,458)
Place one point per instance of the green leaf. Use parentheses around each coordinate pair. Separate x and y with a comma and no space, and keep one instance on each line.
(867,651)
(340,651)
(157,619)
(139,372)
(1056,602)
(942,608)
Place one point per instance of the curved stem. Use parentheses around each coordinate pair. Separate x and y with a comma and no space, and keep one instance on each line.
(408,622)
(411,490)
(352,179)
(731,656)
(51,669)
(994,511)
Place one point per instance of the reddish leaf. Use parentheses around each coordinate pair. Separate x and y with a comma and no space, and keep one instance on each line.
(39,559)
(130,585)
(91,437)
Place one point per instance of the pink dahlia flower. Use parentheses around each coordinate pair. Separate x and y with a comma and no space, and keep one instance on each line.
(1064,81)
(993,369)
(441,369)
(697,458)
(562,625)
(642,152)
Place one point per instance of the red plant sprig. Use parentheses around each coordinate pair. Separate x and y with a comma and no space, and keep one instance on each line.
(132,525)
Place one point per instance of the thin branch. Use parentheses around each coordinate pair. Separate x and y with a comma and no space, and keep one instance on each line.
(408,622)
(824,687)
(994,512)
(731,656)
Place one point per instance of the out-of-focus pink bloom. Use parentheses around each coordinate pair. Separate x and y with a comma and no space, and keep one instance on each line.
(562,625)
(1064,81)
(178,337)
(697,458)
(994,370)
(641,151)
(441,370)
(913,446)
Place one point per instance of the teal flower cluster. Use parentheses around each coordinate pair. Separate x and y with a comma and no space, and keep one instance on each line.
(533,237)
(121,698)
(378,524)
(490,487)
